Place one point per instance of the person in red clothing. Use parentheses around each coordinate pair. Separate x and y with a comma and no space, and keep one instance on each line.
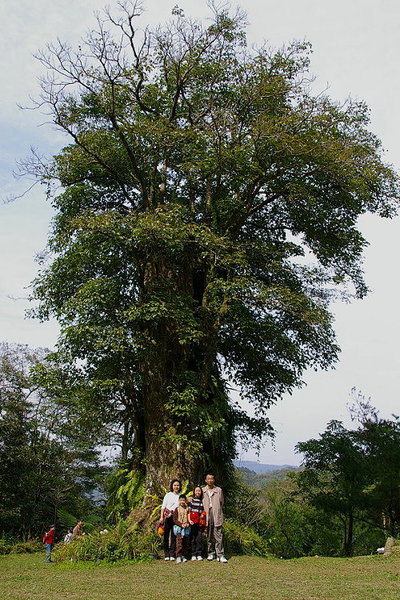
(48,540)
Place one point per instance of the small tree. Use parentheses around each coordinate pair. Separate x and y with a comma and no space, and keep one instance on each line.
(335,476)
(198,174)
(380,439)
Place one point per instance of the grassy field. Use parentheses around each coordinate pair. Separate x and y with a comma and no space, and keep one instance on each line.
(27,577)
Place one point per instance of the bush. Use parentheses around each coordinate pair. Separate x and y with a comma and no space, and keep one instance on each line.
(367,539)
(5,548)
(296,530)
(27,547)
(239,539)
(128,542)
(8,547)
(124,542)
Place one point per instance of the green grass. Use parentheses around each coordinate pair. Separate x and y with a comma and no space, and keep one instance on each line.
(27,577)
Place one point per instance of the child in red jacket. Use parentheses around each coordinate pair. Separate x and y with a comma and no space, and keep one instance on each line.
(48,541)
(197,517)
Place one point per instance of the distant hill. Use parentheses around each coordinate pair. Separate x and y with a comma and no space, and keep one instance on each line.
(260,468)
(265,475)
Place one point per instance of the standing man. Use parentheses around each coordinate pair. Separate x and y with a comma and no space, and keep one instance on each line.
(48,541)
(78,530)
(213,500)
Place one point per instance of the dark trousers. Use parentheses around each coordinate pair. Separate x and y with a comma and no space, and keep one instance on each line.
(169,537)
(182,544)
(196,539)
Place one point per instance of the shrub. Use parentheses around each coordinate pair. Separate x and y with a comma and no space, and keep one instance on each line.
(27,547)
(4,547)
(239,539)
(367,539)
(123,542)
(128,542)
(7,547)
(296,530)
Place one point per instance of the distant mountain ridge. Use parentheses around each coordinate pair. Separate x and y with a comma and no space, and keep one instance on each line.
(260,468)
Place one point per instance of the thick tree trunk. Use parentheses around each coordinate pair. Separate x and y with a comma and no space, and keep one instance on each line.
(164,457)
(167,368)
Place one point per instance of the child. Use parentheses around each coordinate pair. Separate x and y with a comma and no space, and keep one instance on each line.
(181,528)
(68,536)
(48,541)
(197,520)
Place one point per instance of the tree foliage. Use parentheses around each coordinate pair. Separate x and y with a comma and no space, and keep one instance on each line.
(44,468)
(199,177)
(380,440)
(336,476)
(355,474)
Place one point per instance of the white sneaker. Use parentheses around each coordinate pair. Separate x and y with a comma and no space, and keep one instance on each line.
(172,558)
(211,557)
(222,559)
(166,558)
(193,558)
(183,559)
(199,558)
(178,560)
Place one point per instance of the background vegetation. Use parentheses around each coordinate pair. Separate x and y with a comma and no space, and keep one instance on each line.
(343,500)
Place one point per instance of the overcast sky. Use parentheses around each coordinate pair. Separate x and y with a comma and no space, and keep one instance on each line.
(356,49)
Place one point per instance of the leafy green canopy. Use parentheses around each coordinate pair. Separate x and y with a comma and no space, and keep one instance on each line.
(355,474)
(200,177)
(46,469)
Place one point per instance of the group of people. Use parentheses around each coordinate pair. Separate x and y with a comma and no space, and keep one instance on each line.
(183,521)
(50,537)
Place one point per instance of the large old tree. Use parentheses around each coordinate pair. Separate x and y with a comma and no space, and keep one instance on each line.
(201,180)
